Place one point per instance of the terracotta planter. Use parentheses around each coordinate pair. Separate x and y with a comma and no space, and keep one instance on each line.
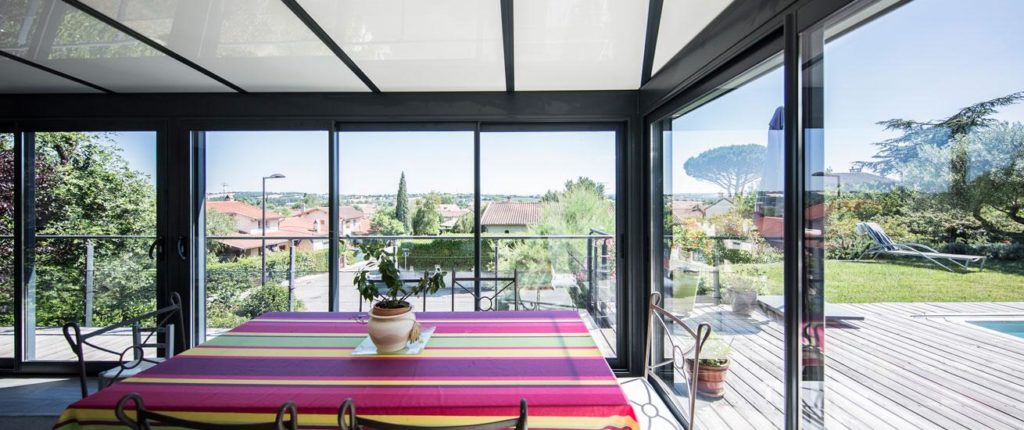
(389,329)
(710,380)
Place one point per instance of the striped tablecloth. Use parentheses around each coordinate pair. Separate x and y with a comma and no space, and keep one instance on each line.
(475,369)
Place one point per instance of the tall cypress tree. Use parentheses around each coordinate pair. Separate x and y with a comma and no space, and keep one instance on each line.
(402,204)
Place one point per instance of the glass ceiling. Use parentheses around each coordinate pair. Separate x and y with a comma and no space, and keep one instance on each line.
(325,45)
(52,34)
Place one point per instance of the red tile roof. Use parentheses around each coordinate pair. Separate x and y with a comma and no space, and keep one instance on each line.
(511,213)
(236,207)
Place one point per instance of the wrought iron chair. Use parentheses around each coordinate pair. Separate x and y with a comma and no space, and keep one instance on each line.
(139,361)
(348,420)
(703,331)
(144,417)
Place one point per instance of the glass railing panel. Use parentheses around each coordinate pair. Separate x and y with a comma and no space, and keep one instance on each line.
(296,279)
(94,282)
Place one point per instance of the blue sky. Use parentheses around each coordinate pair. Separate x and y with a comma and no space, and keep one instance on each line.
(923,61)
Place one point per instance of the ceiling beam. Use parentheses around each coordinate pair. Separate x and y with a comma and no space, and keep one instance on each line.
(326,39)
(149,42)
(651,39)
(52,71)
(509,45)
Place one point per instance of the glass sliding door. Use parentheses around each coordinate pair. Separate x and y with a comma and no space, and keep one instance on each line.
(7,303)
(915,198)
(94,217)
(549,222)
(718,250)
(266,224)
(413,190)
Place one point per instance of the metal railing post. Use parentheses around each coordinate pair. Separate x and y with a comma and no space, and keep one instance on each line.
(291,275)
(89,271)
(590,275)
(716,291)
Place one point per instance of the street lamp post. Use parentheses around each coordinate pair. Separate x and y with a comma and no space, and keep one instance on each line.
(263,227)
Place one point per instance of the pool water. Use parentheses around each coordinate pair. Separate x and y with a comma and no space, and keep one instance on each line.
(1013,328)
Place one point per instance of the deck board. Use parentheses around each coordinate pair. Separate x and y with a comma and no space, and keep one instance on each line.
(891,370)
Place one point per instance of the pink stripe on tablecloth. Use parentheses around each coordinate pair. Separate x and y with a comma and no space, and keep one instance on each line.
(409,367)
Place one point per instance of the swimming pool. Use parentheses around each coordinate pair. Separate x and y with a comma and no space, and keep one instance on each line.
(1012,328)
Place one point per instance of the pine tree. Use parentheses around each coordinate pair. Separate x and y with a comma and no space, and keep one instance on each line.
(402,204)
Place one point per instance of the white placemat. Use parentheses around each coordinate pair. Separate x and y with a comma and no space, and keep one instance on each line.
(366,347)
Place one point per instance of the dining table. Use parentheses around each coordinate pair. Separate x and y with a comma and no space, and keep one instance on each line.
(475,368)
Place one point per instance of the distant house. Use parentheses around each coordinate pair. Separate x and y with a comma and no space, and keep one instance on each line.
(307,222)
(719,207)
(248,218)
(249,222)
(450,214)
(352,220)
(510,217)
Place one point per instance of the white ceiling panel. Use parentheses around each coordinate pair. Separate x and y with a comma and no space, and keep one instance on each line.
(52,34)
(681,21)
(415,45)
(579,44)
(17,78)
(259,45)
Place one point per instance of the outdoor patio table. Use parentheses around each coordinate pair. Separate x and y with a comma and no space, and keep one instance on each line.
(475,369)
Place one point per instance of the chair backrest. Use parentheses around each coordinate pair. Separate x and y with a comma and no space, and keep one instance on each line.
(875,232)
(348,420)
(164,326)
(145,417)
(700,335)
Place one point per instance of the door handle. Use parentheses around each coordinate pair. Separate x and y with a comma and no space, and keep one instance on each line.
(181,248)
(157,248)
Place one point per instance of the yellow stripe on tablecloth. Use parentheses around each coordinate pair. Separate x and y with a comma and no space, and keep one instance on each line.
(209,351)
(370,382)
(309,420)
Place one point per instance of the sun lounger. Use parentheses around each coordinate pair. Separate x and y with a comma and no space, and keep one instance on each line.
(884,245)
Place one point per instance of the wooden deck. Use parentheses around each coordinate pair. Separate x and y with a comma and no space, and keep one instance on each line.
(51,345)
(893,370)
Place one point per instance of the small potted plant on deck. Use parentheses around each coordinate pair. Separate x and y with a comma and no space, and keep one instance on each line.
(392,322)
(743,292)
(713,366)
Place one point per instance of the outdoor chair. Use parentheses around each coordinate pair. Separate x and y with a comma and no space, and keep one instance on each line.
(700,335)
(348,420)
(884,245)
(145,417)
(139,362)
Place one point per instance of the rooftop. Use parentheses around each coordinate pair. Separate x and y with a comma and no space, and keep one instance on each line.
(511,213)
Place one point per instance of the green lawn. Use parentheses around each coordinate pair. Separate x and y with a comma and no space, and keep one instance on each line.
(908,281)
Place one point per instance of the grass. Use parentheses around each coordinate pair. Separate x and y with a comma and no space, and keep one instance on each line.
(882,281)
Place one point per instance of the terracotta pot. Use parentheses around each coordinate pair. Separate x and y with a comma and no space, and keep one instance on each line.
(389,329)
(710,380)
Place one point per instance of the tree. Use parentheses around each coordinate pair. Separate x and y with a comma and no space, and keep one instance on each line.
(732,167)
(969,162)
(427,219)
(464,224)
(581,183)
(402,204)
(384,222)
(84,186)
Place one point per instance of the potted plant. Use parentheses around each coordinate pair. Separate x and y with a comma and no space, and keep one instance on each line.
(392,322)
(743,292)
(713,366)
